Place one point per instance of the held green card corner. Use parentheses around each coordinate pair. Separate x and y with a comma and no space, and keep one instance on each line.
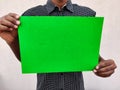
(59,44)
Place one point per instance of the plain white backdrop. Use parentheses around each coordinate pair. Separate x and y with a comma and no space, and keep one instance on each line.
(11,77)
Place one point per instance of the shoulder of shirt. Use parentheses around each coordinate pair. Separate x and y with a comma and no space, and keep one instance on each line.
(37,10)
(90,11)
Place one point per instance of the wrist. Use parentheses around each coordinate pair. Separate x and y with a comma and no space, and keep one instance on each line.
(101,58)
(14,45)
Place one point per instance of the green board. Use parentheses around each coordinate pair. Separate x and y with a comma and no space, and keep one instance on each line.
(50,44)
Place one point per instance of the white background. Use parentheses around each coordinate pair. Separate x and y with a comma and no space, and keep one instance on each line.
(11,77)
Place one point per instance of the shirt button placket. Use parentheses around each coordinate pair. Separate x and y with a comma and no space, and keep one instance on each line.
(60,13)
(62,81)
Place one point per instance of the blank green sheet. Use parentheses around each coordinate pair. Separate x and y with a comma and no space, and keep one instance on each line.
(51,44)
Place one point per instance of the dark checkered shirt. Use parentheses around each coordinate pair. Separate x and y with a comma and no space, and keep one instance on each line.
(60,81)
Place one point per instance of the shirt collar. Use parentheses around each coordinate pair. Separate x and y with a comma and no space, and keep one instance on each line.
(50,6)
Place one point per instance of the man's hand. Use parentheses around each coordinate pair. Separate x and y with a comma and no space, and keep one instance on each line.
(8,31)
(8,27)
(105,68)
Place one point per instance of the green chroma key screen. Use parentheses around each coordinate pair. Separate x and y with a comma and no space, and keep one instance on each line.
(51,44)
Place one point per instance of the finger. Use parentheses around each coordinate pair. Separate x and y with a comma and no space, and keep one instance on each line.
(8,24)
(2,28)
(104,63)
(14,15)
(12,19)
(107,68)
(105,74)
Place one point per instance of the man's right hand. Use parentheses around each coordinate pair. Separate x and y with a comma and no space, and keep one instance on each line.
(8,27)
(9,31)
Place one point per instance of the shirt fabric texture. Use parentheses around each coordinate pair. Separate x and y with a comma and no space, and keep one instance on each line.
(60,81)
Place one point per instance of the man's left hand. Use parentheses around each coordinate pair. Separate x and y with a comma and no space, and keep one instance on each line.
(105,68)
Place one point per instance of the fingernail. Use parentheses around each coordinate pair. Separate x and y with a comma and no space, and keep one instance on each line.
(95,71)
(11,29)
(15,26)
(17,16)
(17,22)
(97,67)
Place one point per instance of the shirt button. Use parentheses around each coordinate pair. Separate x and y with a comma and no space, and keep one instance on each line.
(61,74)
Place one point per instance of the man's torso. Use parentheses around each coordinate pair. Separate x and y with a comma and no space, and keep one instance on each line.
(60,81)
